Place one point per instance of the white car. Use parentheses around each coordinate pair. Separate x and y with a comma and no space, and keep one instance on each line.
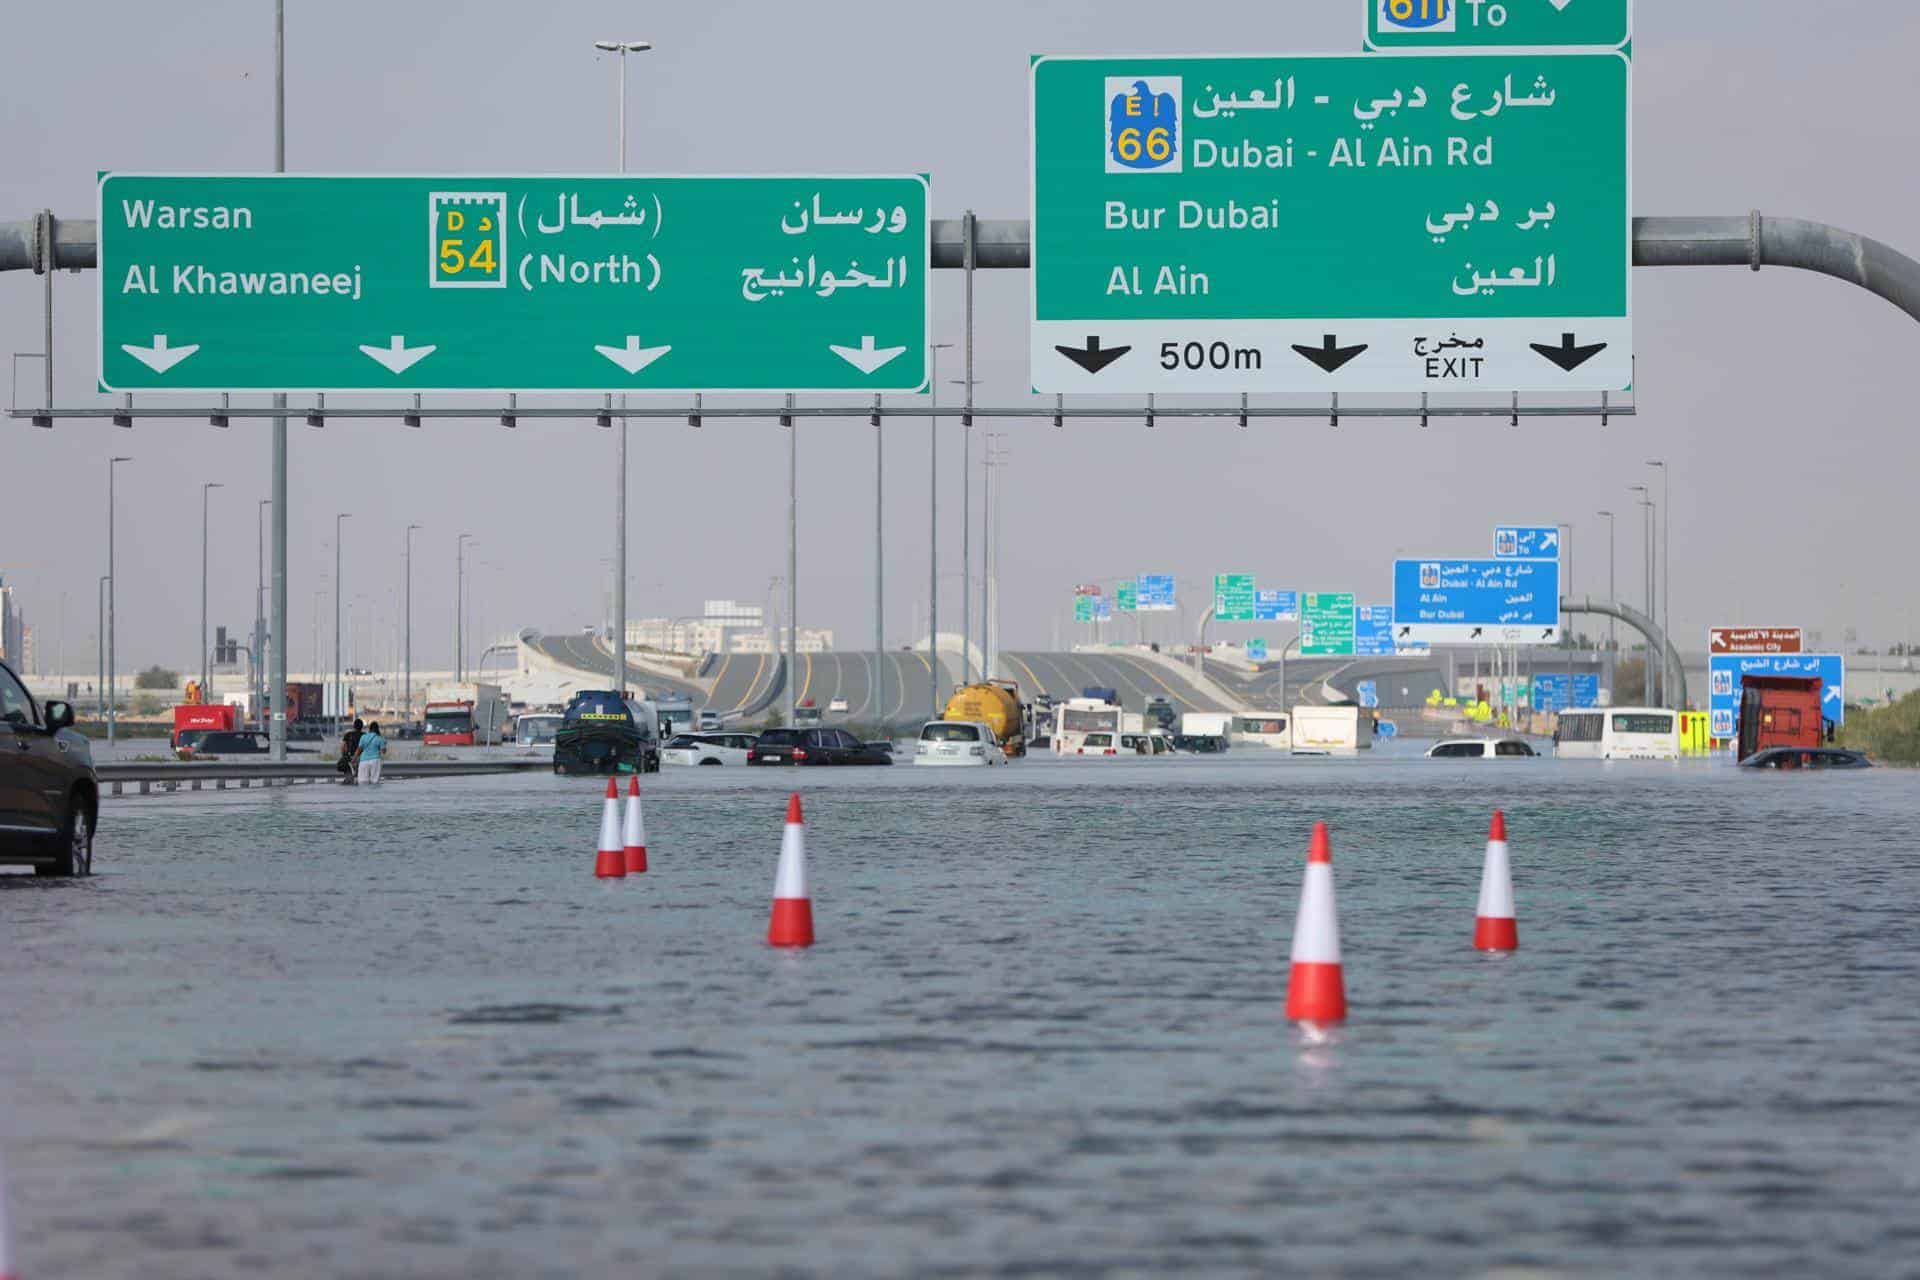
(1482,749)
(838,707)
(707,748)
(958,742)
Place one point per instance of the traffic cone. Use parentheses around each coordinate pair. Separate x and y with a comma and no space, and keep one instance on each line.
(612,862)
(792,924)
(1316,994)
(1494,926)
(636,830)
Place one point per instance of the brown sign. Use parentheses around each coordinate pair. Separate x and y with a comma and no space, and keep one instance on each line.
(1722,640)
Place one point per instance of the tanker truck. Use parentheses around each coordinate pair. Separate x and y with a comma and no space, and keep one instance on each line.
(996,704)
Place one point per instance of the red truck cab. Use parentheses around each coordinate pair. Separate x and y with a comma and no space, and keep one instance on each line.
(196,718)
(1781,711)
(449,724)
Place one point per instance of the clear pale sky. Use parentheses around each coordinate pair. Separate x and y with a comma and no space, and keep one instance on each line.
(1784,401)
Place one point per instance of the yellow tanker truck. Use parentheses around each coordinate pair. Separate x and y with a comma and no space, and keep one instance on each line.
(996,704)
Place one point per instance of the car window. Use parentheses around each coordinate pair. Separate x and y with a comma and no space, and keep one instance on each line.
(1513,749)
(782,737)
(1457,751)
(846,739)
(15,705)
(740,741)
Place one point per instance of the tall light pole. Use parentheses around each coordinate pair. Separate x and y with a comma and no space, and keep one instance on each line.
(206,665)
(620,49)
(277,681)
(1573,641)
(339,594)
(1613,624)
(113,715)
(933,531)
(460,606)
(1666,568)
(1647,511)
(406,715)
(260,614)
(995,460)
(966,544)
(100,645)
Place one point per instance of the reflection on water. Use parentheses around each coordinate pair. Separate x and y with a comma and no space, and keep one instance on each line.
(339,1032)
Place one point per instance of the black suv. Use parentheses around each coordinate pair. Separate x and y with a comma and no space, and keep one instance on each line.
(815,746)
(49,797)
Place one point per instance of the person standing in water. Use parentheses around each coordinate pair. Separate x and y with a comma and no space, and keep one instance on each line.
(373,750)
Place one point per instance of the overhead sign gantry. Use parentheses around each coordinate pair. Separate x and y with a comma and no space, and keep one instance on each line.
(477,283)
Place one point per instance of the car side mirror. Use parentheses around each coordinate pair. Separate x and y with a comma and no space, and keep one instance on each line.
(59,716)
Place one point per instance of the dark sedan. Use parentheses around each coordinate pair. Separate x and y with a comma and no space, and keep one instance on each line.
(49,797)
(1806,758)
(814,747)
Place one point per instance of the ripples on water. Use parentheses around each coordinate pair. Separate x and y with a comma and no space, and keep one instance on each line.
(333,1032)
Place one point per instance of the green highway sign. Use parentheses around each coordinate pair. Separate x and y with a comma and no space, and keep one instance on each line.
(474,283)
(1233,597)
(1326,624)
(1446,222)
(1085,608)
(1127,597)
(1498,24)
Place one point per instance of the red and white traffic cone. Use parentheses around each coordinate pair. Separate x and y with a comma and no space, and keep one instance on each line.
(612,862)
(636,830)
(1317,994)
(1495,928)
(792,924)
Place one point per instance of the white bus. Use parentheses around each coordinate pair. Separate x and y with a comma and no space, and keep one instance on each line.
(1086,727)
(1261,729)
(1618,733)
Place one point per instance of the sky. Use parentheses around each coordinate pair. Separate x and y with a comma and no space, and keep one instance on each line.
(1782,401)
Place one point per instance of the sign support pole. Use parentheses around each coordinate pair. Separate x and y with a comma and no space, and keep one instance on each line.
(793,556)
(277,640)
(966,470)
(879,568)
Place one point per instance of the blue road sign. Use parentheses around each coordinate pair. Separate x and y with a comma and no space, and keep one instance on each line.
(1103,608)
(1369,694)
(1526,542)
(1386,729)
(1276,606)
(1476,602)
(1550,691)
(1726,674)
(1157,593)
(1256,651)
(1373,632)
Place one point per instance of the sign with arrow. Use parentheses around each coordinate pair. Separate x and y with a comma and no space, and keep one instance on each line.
(1327,627)
(1476,602)
(1444,222)
(1726,677)
(1526,542)
(587,284)
(1498,24)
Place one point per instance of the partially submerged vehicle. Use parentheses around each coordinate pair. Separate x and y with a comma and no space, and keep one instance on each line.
(604,733)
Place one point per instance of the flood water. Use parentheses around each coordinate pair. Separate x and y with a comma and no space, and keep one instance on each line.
(404,1032)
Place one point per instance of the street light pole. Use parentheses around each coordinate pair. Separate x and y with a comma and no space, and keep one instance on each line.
(1666,567)
(406,714)
(620,49)
(113,584)
(460,607)
(206,666)
(933,532)
(260,613)
(100,647)
(1613,625)
(1572,641)
(339,592)
(1646,569)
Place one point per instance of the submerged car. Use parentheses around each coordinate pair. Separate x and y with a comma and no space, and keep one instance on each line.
(958,743)
(1806,758)
(708,749)
(1482,749)
(813,747)
(604,733)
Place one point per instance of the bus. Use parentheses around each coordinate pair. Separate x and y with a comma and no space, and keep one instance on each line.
(1261,729)
(1086,727)
(1618,733)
